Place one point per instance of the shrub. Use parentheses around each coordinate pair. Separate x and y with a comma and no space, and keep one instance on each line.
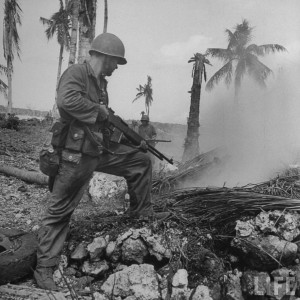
(11,121)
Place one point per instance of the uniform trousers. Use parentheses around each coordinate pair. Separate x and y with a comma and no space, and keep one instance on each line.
(69,185)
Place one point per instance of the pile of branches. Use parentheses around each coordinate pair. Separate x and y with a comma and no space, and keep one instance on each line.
(284,186)
(165,182)
(219,207)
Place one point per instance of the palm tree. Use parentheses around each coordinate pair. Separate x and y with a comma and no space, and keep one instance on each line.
(11,41)
(191,145)
(74,9)
(105,16)
(147,92)
(87,24)
(59,24)
(3,85)
(243,57)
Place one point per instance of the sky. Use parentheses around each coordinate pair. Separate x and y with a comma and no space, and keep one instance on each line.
(160,36)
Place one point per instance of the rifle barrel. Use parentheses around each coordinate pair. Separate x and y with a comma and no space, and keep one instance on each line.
(164,141)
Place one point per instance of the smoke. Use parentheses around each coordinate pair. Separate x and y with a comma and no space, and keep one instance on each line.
(261,136)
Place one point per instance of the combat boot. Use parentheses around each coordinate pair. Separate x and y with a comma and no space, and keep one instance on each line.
(44,278)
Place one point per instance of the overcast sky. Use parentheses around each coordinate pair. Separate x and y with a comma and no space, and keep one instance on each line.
(159,36)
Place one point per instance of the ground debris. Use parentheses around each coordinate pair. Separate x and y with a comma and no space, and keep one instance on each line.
(25,292)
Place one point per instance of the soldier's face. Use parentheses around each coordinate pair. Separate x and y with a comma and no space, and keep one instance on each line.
(110,64)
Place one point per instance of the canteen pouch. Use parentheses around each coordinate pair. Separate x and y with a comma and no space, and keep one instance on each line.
(49,162)
(75,138)
(59,133)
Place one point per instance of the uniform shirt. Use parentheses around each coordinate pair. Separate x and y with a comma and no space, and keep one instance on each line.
(79,94)
(147,132)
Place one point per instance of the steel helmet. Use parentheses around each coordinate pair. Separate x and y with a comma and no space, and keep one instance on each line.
(109,44)
(144,118)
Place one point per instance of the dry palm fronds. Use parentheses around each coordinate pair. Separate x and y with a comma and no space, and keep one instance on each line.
(220,206)
(284,186)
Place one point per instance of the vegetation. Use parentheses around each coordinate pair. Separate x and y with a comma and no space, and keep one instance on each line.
(74,7)
(9,121)
(3,85)
(191,145)
(87,25)
(147,92)
(59,24)
(11,42)
(243,57)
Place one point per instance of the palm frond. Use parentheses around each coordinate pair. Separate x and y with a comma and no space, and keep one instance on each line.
(232,41)
(264,49)
(222,54)
(257,70)
(139,95)
(240,71)
(59,23)
(224,72)
(45,21)
(3,88)
(3,84)
(204,73)
(3,69)
(243,33)
(11,37)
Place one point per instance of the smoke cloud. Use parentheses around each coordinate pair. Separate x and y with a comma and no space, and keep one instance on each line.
(261,136)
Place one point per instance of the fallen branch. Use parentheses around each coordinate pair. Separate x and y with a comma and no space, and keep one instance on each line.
(28,176)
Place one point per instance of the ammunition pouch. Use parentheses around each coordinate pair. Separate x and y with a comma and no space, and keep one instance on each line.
(75,138)
(59,133)
(81,139)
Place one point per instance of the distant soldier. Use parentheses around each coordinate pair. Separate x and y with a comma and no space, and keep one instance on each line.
(148,132)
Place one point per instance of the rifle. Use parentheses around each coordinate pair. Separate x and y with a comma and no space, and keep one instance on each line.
(115,124)
(159,141)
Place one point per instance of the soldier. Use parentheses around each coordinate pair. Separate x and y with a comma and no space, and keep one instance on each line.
(82,103)
(148,132)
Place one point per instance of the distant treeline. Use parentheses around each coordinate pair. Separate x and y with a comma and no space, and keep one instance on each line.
(25,111)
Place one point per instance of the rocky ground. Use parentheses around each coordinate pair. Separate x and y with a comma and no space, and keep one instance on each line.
(108,256)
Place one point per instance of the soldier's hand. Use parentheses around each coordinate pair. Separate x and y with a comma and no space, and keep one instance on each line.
(143,145)
(103,113)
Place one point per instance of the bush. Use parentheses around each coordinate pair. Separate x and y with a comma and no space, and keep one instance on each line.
(11,121)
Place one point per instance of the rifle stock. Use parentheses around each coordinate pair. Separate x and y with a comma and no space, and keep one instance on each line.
(115,122)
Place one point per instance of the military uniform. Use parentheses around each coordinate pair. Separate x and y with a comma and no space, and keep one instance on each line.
(78,96)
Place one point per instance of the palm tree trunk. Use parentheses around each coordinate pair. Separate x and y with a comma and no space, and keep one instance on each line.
(55,113)
(87,24)
(60,59)
(74,33)
(191,145)
(105,16)
(9,87)
(27,176)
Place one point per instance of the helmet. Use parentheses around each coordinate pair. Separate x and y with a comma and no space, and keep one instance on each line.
(145,118)
(109,44)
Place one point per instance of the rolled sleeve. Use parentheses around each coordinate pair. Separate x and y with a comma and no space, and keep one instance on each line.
(70,96)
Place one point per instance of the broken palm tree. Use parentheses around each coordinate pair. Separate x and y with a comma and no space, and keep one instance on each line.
(192,170)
